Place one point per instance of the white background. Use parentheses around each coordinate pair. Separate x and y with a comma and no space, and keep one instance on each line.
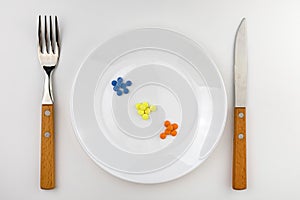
(273,101)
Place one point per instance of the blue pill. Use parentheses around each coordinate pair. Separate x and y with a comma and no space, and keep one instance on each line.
(123,85)
(116,88)
(119,92)
(119,84)
(120,79)
(128,83)
(126,91)
(114,82)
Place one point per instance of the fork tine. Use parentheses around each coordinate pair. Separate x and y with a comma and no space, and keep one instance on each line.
(56,35)
(51,36)
(46,36)
(40,34)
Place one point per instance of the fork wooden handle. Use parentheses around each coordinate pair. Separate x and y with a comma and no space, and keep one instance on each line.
(239,173)
(47,170)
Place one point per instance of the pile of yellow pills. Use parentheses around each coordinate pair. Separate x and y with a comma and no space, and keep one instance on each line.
(144,109)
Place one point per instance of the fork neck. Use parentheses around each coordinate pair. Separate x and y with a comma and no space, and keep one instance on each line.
(48,94)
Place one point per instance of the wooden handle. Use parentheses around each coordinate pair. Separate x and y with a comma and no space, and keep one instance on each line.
(239,173)
(47,176)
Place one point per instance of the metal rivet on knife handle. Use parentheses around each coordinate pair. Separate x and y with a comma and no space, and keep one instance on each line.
(47,134)
(241,115)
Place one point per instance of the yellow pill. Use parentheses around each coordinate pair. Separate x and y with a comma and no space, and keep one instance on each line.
(153,108)
(141,112)
(137,106)
(145,104)
(142,107)
(145,116)
(147,111)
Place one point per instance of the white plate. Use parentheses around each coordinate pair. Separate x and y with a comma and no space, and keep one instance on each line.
(167,70)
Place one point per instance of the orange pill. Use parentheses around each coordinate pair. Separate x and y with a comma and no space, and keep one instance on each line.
(167,132)
(167,123)
(170,127)
(174,133)
(175,126)
(163,135)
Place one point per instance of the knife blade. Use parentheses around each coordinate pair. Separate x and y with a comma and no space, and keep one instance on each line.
(239,173)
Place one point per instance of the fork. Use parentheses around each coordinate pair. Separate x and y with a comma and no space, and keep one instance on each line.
(48,54)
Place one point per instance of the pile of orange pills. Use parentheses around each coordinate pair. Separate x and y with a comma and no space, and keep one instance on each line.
(170,129)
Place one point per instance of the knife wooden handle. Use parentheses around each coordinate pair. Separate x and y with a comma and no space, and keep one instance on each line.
(239,173)
(47,170)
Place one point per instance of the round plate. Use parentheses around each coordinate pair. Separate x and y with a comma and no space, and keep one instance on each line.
(167,70)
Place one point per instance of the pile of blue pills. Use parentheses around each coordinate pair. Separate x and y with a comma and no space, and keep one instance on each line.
(119,85)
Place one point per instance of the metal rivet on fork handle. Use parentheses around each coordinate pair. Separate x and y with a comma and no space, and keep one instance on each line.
(241,136)
(47,113)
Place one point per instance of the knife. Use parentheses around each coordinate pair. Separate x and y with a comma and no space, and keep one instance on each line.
(239,173)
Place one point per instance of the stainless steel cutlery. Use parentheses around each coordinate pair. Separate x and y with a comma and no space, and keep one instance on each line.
(48,54)
(239,173)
